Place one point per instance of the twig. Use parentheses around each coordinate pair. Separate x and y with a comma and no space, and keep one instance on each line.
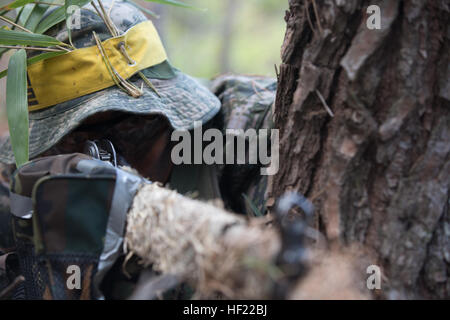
(100,48)
(65,49)
(130,88)
(31,48)
(101,16)
(148,83)
(108,20)
(110,8)
(324,103)
(131,61)
(317,16)
(117,78)
(125,53)
(26,30)
(306,8)
(15,24)
(116,32)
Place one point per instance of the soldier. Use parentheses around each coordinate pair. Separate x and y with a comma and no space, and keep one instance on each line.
(139,128)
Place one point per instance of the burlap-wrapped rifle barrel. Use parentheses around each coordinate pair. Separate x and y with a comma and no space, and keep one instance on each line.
(213,249)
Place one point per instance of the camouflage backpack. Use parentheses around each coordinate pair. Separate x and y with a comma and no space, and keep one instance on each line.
(69,214)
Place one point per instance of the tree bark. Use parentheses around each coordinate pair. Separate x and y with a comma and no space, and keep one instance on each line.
(378,170)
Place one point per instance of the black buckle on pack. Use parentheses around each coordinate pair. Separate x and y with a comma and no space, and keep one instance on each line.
(102,150)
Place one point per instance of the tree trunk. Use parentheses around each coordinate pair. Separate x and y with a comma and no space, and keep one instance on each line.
(378,170)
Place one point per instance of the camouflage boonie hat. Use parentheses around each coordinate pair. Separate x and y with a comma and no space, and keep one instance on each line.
(182,99)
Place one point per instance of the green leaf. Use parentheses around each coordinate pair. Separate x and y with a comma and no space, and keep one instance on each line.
(12,37)
(25,14)
(57,16)
(44,56)
(18,12)
(17,106)
(175,3)
(35,59)
(36,15)
(18,3)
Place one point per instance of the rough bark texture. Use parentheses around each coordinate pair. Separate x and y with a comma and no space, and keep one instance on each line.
(378,170)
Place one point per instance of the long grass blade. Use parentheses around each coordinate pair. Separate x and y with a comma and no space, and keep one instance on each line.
(25,14)
(36,15)
(12,37)
(17,4)
(17,106)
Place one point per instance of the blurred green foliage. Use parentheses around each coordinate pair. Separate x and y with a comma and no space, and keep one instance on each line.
(194,39)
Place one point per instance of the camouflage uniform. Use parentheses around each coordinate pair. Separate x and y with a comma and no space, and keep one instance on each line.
(246,102)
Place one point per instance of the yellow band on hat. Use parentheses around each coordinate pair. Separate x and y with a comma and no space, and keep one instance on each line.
(83,71)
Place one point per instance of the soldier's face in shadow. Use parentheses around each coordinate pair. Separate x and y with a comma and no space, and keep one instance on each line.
(141,142)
